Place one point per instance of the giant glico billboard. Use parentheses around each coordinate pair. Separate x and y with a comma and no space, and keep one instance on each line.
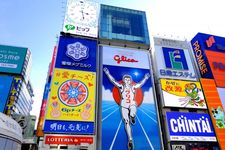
(71,104)
(216,109)
(209,51)
(129,116)
(184,94)
(173,60)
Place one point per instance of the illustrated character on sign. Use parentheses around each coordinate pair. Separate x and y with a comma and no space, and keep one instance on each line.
(218,114)
(193,95)
(128,105)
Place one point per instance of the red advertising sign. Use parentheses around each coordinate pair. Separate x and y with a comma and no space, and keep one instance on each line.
(53,61)
(217,65)
(67,140)
(216,110)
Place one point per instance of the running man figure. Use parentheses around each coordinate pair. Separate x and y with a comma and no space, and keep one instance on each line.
(128,106)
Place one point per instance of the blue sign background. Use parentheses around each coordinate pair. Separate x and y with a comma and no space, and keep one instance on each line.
(77,65)
(70,127)
(192,116)
(201,38)
(218,45)
(12,55)
(5,86)
(175,58)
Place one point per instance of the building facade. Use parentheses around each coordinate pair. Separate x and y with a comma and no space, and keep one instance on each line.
(110,90)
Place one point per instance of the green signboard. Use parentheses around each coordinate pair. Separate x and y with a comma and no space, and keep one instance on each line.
(12,59)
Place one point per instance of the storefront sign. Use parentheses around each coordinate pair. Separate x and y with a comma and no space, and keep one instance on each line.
(190,127)
(68,140)
(186,94)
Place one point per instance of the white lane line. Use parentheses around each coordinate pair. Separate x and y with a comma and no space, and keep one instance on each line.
(109,108)
(148,116)
(109,114)
(149,110)
(149,142)
(111,146)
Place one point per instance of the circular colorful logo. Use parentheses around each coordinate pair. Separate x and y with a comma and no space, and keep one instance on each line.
(73,93)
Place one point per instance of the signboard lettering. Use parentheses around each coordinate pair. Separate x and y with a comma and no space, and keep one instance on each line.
(200,59)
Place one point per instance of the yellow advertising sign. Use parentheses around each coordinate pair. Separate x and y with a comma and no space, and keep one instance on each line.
(72,96)
(186,94)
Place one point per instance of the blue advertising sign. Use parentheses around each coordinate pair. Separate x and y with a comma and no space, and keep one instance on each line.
(198,44)
(76,54)
(12,59)
(128,101)
(211,42)
(70,127)
(173,60)
(5,87)
(190,126)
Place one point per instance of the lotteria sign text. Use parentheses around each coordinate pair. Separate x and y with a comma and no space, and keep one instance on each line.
(190,127)
(68,140)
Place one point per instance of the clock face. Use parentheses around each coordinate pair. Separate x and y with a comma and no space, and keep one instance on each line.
(81,18)
(82,12)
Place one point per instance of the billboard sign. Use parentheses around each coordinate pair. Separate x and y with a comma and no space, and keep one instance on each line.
(215,108)
(75,53)
(68,127)
(205,48)
(173,60)
(39,131)
(185,94)
(5,87)
(81,18)
(217,64)
(72,96)
(190,127)
(16,85)
(68,139)
(12,59)
(128,101)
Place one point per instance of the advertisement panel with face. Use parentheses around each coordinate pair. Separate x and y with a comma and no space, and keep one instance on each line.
(173,60)
(185,94)
(72,98)
(76,54)
(81,18)
(187,126)
(12,59)
(128,101)
(215,108)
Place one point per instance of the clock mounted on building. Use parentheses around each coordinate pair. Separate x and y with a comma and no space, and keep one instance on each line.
(83,12)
